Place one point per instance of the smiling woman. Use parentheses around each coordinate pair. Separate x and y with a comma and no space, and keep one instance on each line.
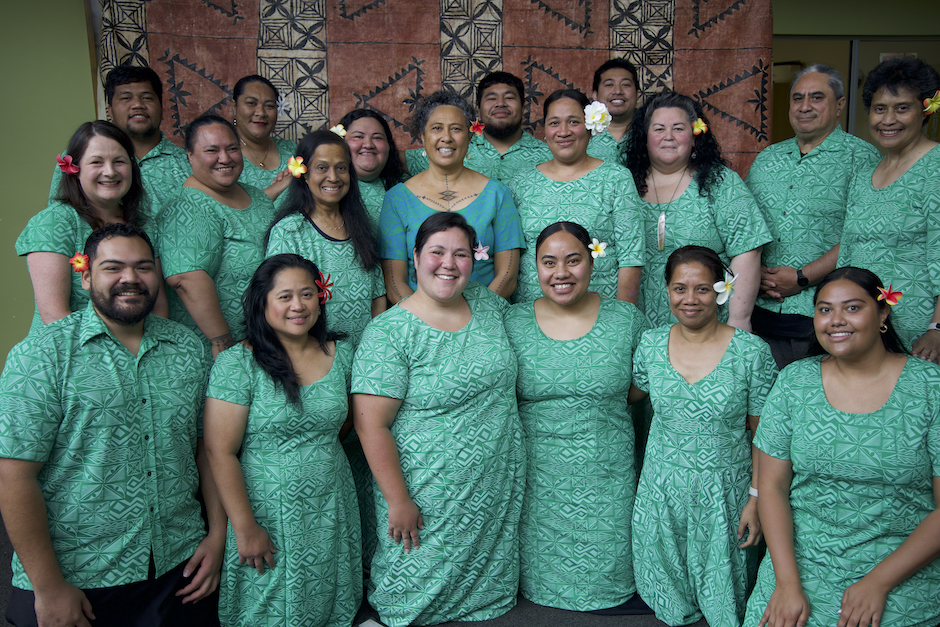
(100,185)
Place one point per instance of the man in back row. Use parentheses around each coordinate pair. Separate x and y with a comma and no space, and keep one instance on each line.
(99,421)
(504,148)
(615,84)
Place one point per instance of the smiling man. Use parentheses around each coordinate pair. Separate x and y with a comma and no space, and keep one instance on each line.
(98,458)
(801,185)
(616,85)
(135,105)
(504,148)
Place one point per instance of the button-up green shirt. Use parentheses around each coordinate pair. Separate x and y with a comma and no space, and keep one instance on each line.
(162,171)
(117,436)
(803,199)
(526,153)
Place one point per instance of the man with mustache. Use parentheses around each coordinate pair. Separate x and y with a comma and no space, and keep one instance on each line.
(801,185)
(504,148)
(98,457)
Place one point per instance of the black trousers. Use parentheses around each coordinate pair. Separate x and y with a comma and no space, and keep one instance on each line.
(150,603)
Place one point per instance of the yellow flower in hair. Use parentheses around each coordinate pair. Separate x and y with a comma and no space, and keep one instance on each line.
(340,130)
(597,248)
(932,104)
(699,127)
(295,165)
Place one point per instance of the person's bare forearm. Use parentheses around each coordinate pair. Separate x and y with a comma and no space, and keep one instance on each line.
(215,512)
(746,268)
(396,280)
(197,291)
(628,284)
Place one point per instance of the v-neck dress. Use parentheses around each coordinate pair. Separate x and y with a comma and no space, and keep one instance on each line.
(695,481)
(861,484)
(580,476)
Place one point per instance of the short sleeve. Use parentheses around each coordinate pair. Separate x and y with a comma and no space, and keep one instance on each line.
(190,236)
(641,377)
(507,227)
(393,242)
(763,372)
(628,223)
(740,221)
(380,366)
(230,379)
(775,429)
(637,329)
(30,407)
(55,229)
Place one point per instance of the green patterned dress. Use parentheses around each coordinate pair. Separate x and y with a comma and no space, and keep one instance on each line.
(196,232)
(301,491)
(895,233)
(604,201)
(731,225)
(256,177)
(695,481)
(580,480)
(861,484)
(373,196)
(463,458)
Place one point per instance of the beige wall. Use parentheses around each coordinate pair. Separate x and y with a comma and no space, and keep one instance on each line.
(47,93)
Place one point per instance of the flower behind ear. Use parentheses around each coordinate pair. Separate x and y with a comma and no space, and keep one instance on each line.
(597,248)
(596,118)
(477,127)
(66,165)
(725,288)
(699,127)
(889,295)
(295,165)
(932,104)
(325,292)
(79,262)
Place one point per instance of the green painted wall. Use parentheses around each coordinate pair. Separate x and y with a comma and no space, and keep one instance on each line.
(47,93)
(853,18)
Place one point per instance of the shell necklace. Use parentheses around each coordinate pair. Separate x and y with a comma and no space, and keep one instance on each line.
(661,223)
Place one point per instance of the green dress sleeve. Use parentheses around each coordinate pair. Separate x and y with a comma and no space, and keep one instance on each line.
(191,236)
(763,372)
(230,379)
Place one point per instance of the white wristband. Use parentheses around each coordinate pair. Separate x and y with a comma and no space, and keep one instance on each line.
(752,491)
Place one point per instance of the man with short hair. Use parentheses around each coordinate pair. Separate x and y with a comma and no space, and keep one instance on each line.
(504,148)
(98,457)
(801,185)
(616,85)
(135,105)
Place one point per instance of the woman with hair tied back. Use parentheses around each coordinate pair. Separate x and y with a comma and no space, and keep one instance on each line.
(850,473)
(695,521)
(434,404)
(689,197)
(443,123)
(576,187)
(100,185)
(892,216)
(375,157)
(276,410)
(575,351)
(211,235)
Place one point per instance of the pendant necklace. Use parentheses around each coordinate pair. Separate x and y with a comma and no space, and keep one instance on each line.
(661,223)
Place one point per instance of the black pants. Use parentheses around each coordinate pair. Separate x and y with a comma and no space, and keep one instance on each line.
(790,336)
(150,603)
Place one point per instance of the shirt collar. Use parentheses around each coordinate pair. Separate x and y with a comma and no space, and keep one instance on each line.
(156,329)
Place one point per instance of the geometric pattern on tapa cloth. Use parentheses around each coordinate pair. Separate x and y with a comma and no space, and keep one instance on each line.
(327,58)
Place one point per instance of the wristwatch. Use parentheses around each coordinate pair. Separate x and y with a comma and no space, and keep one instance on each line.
(933,326)
(801,279)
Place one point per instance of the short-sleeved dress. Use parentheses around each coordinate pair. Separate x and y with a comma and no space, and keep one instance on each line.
(373,197)
(895,233)
(580,478)
(861,484)
(256,177)
(604,201)
(463,458)
(301,491)
(731,225)
(196,232)
(492,214)
(58,229)
(695,481)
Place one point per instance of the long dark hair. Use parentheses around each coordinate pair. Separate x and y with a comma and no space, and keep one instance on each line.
(393,171)
(706,157)
(267,349)
(300,199)
(868,281)
(70,187)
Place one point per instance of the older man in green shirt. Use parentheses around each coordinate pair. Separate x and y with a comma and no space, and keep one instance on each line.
(135,105)
(801,185)
(98,457)
(616,85)
(504,148)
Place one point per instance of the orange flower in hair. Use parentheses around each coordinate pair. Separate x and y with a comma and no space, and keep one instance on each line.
(889,295)
(79,261)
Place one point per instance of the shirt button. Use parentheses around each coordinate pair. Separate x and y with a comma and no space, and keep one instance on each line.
(146,437)
(143,400)
(791,187)
(149,473)
(151,509)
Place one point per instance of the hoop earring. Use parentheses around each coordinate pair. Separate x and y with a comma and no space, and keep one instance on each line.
(883,328)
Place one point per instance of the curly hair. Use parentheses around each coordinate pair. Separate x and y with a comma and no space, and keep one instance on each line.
(439,98)
(901,73)
(393,171)
(705,160)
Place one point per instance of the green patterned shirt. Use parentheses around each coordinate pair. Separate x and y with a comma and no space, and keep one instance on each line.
(373,196)
(526,153)
(256,177)
(162,171)
(803,198)
(117,434)
(606,148)
(197,232)
(354,287)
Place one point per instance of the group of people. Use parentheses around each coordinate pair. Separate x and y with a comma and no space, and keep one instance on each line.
(538,358)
